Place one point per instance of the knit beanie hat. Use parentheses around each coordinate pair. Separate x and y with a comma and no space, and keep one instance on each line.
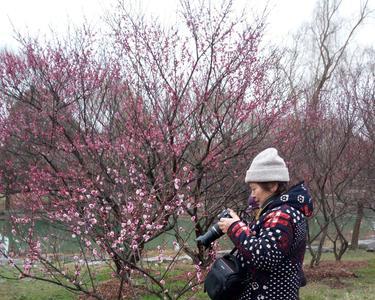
(267,166)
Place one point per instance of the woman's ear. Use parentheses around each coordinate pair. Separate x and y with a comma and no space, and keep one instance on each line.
(274,187)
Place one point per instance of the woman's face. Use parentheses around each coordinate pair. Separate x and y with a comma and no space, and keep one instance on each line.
(259,194)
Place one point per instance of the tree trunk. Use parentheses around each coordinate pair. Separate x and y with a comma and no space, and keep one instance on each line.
(339,248)
(7,203)
(357,227)
(340,244)
(316,258)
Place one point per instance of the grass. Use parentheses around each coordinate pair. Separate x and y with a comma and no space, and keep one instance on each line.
(360,288)
(27,289)
(317,291)
(31,289)
(349,255)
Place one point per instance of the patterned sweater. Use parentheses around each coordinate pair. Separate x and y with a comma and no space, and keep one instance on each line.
(273,256)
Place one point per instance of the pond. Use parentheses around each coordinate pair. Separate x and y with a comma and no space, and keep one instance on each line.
(53,236)
(56,239)
(4,243)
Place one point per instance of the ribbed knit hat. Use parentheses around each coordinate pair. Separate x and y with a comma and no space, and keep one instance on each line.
(267,166)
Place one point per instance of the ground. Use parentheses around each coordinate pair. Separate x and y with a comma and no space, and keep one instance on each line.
(330,273)
(351,279)
(109,290)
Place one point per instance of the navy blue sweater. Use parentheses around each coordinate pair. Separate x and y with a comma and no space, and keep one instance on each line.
(273,256)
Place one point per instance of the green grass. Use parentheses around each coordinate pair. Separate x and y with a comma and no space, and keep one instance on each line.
(31,289)
(27,289)
(362,287)
(316,291)
(349,255)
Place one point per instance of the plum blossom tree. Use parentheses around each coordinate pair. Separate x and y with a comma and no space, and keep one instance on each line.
(113,147)
(223,98)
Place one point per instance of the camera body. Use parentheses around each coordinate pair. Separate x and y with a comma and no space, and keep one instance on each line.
(214,232)
(224,214)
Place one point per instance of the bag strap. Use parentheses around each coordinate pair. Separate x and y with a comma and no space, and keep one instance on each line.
(233,250)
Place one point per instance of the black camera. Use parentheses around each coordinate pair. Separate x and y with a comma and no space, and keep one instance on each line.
(214,232)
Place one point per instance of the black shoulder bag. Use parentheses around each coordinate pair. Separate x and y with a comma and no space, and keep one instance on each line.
(225,279)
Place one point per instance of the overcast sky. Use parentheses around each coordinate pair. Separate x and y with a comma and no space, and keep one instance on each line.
(40,16)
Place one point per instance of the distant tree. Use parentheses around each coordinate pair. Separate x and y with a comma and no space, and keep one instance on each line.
(358,82)
(322,135)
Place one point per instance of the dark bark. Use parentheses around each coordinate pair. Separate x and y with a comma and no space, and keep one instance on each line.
(357,227)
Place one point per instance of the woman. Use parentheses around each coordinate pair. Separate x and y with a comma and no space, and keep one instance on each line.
(272,249)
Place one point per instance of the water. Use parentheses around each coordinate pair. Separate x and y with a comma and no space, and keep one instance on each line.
(53,237)
(4,244)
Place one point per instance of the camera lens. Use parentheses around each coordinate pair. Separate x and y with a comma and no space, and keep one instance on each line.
(214,232)
(211,235)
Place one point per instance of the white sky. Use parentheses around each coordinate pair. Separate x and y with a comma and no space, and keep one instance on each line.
(40,16)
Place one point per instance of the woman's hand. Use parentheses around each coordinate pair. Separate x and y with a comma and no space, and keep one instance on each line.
(224,223)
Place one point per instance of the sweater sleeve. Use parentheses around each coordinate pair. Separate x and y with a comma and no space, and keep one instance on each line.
(267,248)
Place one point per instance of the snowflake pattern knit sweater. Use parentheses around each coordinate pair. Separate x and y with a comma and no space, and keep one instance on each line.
(273,256)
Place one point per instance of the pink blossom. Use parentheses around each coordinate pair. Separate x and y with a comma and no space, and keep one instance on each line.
(177,183)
